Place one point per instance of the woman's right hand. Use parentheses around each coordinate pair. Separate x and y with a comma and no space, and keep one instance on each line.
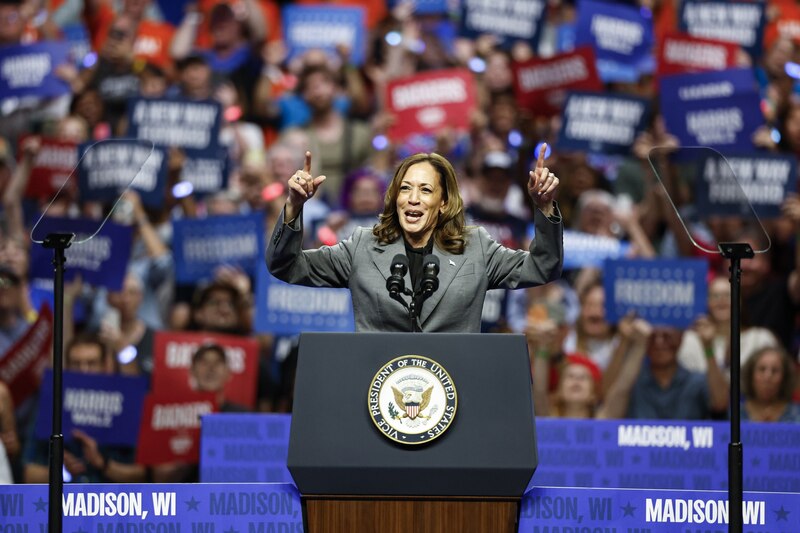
(302,186)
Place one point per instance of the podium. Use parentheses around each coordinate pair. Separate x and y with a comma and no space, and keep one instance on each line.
(353,478)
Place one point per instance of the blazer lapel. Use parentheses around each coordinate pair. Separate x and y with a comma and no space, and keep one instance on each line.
(449,265)
(382,255)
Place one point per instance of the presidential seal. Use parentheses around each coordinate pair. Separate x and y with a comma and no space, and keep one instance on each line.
(412,399)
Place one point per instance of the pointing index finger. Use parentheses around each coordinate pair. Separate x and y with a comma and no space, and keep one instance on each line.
(307,164)
(540,160)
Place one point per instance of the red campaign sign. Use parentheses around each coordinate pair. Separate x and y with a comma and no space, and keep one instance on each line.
(427,102)
(22,366)
(680,53)
(51,168)
(170,428)
(785,22)
(173,356)
(541,85)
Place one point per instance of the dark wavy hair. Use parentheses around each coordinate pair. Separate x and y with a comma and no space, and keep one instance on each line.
(449,231)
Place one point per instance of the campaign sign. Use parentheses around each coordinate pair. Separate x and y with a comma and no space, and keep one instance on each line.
(784,22)
(601,123)
(763,179)
(172,359)
(509,20)
(735,22)
(587,250)
(52,168)
(180,122)
(541,85)
(23,364)
(101,261)
(28,70)
(170,428)
(206,170)
(720,109)
(679,53)
(662,291)
(245,447)
(287,309)
(108,167)
(427,102)
(621,35)
(324,27)
(106,407)
(200,245)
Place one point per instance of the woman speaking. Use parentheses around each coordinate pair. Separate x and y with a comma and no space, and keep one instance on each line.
(420,247)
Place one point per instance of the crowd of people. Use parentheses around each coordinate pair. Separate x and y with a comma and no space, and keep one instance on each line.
(279,107)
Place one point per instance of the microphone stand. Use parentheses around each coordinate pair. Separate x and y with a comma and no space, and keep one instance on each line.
(410,308)
(58,242)
(735,251)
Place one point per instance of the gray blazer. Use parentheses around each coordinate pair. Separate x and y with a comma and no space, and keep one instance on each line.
(362,264)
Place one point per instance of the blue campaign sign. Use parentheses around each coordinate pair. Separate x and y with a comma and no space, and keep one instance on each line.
(724,123)
(621,35)
(510,20)
(736,22)
(323,27)
(101,261)
(27,70)
(587,250)
(106,168)
(680,88)
(206,170)
(720,109)
(763,179)
(662,291)
(290,309)
(601,123)
(106,407)
(187,124)
(244,447)
(200,245)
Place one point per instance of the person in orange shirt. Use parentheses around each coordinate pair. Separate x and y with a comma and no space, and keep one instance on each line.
(152,38)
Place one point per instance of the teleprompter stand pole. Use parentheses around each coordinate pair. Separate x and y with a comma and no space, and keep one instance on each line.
(58,242)
(735,251)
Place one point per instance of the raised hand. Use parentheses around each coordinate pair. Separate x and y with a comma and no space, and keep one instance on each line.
(302,186)
(543,184)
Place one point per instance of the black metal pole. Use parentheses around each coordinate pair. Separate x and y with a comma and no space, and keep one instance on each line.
(59,242)
(735,252)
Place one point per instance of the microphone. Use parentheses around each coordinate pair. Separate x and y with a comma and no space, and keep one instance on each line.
(430,275)
(395,283)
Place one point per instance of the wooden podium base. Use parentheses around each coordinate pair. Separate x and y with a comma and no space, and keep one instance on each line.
(398,514)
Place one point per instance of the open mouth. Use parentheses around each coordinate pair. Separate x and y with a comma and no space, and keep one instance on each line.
(413,216)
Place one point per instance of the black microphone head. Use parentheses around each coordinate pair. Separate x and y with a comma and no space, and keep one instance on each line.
(399,265)
(430,275)
(431,262)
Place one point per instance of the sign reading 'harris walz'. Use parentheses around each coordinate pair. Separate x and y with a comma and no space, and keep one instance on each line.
(412,399)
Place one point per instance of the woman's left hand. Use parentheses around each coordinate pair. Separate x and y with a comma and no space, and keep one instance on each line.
(542,185)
